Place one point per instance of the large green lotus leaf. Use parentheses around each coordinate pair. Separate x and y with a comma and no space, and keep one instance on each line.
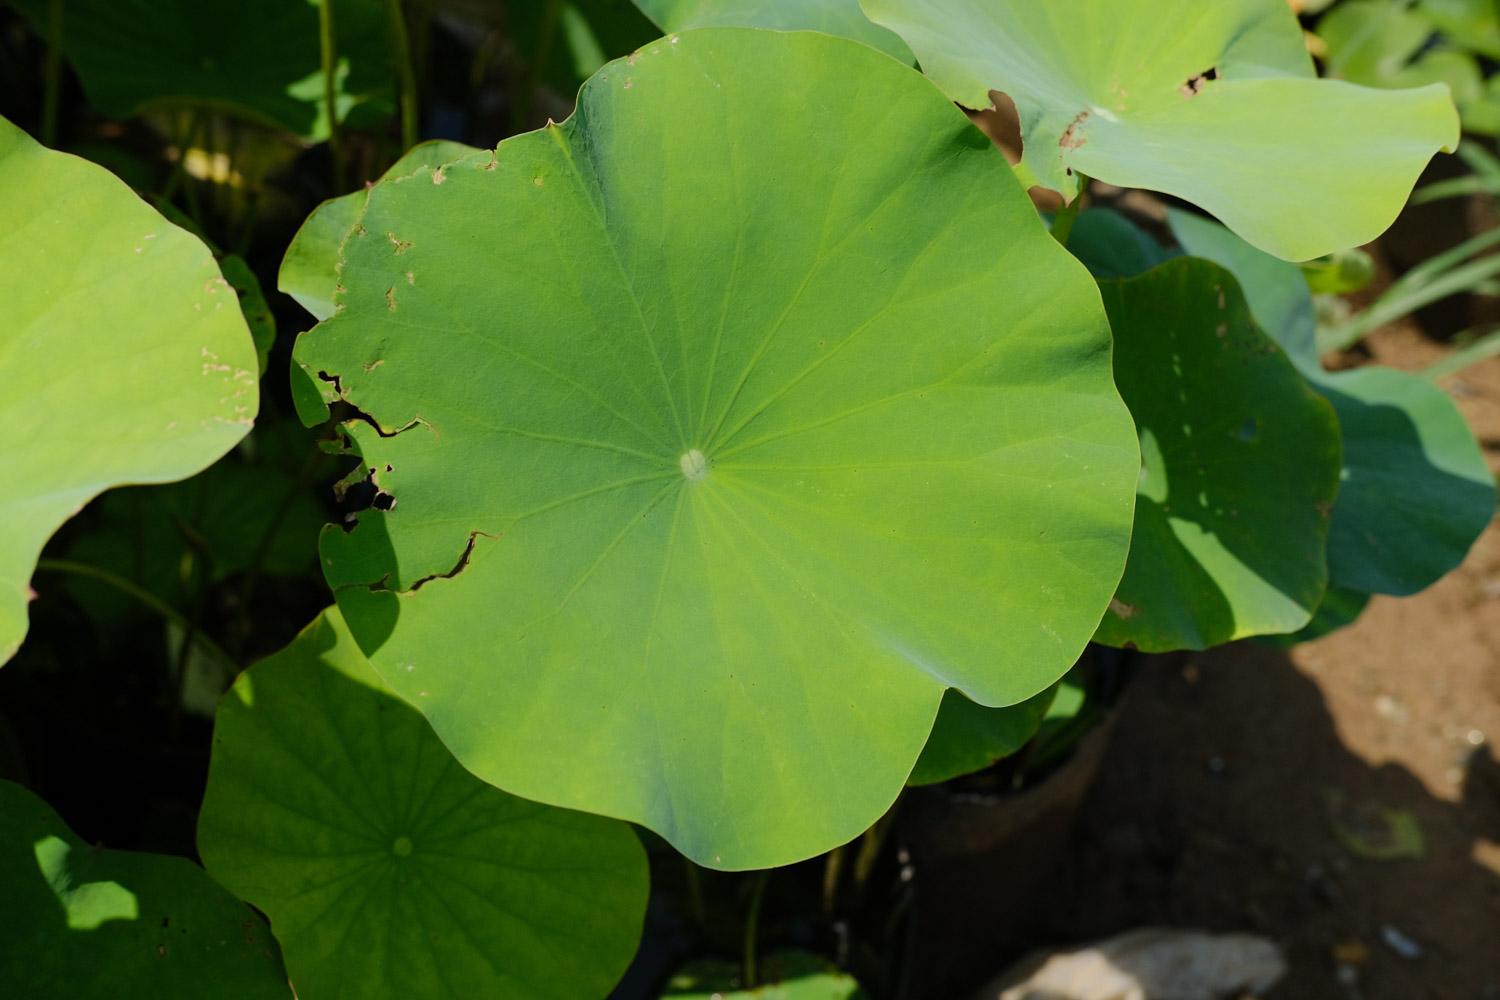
(1215,103)
(309,271)
(388,871)
(714,454)
(86,923)
(126,357)
(1240,462)
(1416,491)
(967,737)
(836,17)
(260,60)
(789,975)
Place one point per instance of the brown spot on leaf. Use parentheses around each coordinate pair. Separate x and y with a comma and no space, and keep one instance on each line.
(390,298)
(1325,508)
(1123,610)
(437,176)
(1071,139)
(401,245)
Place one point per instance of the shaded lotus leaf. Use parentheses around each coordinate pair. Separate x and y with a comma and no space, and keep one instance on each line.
(1239,467)
(835,17)
(258,315)
(1473,24)
(82,921)
(967,737)
(259,60)
(1416,491)
(1213,103)
(1370,41)
(387,870)
(585,35)
(1111,246)
(713,456)
(126,357)
(236,516)
(309,269)
(1275,290)
(788,975)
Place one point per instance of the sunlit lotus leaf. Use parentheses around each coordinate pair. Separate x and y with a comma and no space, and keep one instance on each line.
(1215,103)
(710,455)
(125,354)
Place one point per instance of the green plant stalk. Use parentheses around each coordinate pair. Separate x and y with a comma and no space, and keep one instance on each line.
(870,845)
(140,594)
(833,869)
(522,107)
(405,73)
(1487,346)
(304,479)
(329,47)
(752,921)
(695,890)
(1402,299)
(53,83)
(1062,223)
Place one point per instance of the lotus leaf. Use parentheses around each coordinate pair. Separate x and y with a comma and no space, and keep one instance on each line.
(1240,462)
(720,430)
(1340,607)
(791,975)
(836,17)
(258,60)
(967,737)
(309,270)
(82,921)
(387,869)
(1416,491)
(1198,100)
(584,36)
(162,389)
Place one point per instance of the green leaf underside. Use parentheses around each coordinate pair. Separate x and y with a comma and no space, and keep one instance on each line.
(309,270)
(1115,89)
(1416,491)
(759,443)
(80,921)
(967,737)
(125,353)
(836,17)
(788,975)
(258,60)
(1240,465)
(387,870)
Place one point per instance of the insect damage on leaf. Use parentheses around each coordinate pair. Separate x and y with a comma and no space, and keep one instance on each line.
(1071,139)
(1195,84)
